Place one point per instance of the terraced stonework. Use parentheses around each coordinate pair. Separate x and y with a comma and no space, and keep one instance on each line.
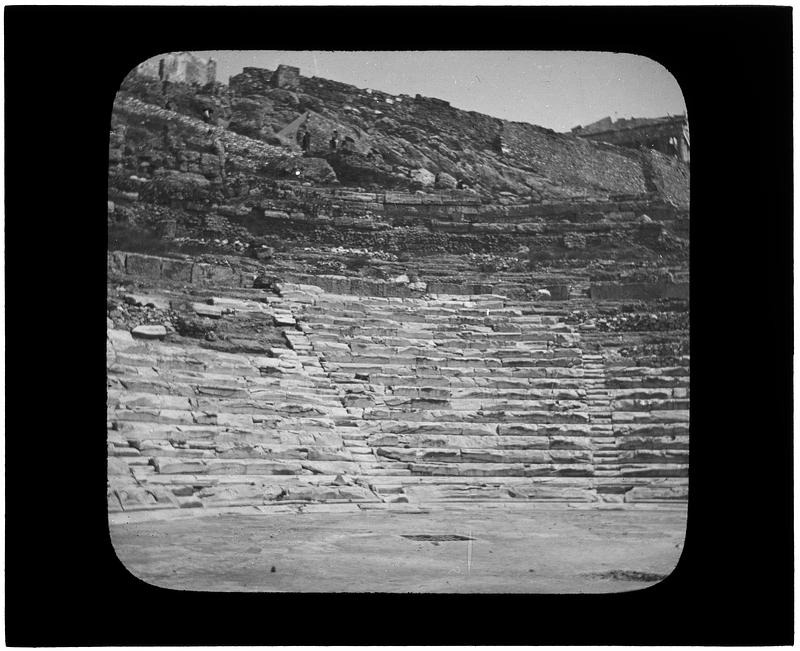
(444,307)
(293,395)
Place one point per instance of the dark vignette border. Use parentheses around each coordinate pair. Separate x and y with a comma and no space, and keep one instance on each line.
(64,585)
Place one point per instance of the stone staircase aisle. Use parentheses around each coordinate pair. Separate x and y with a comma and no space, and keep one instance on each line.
(190,426)
(468,399)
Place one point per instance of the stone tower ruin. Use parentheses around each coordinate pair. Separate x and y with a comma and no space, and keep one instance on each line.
(181,67)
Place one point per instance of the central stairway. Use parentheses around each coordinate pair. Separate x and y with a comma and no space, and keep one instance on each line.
(460,398)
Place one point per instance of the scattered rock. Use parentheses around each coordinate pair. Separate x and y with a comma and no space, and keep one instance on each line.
(156,302)
(446,181)
(265,281)
(149,332)
(423,177)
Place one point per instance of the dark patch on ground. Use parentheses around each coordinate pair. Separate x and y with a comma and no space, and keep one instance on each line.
(628,575)
(428,537)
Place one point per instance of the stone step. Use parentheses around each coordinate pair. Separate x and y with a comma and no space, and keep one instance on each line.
(406,403)
(489,382)
(636,430)
(485,393)
(462,442)
(193,466)
(547,370)
(484,455)
(261,430)
(647,417)
(618,372)
(436,359)
(451,337)
(372,346)
(483,416)
(652,381)
(662,456)
(499,469)
(210,398)
(447,427)
(651,404)
(654,470)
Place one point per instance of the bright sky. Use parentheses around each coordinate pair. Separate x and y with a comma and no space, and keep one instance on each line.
(558,90)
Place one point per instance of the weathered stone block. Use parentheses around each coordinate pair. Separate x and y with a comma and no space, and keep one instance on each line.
(143,265)
(657,493)
(149,332)
(172,465)
(116,262)
(177,270)
(212,274)
(641,291)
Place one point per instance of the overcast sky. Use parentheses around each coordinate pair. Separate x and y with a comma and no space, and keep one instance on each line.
(558,90)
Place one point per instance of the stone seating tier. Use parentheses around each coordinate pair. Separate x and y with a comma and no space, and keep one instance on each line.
(383,400)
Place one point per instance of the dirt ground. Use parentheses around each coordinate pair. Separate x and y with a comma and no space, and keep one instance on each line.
(520,550)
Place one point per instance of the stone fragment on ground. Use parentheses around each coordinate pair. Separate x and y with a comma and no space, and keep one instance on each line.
(149,332)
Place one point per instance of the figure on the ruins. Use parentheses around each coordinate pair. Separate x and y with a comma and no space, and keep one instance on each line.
(334,140)
(306,144)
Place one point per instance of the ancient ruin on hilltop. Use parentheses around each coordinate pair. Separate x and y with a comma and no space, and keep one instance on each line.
(182,67)
(424,305)
(669,134)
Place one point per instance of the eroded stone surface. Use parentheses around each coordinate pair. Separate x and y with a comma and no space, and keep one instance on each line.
(341,413)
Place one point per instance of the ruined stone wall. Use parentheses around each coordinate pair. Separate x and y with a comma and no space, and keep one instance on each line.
(182,67)
(258,81)
(251,81)
(650,134)
(286,77)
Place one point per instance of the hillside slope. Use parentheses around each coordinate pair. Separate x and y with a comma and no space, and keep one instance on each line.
(392,138)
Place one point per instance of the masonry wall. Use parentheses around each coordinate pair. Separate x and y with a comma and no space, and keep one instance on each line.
(180,67)
(651,136)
